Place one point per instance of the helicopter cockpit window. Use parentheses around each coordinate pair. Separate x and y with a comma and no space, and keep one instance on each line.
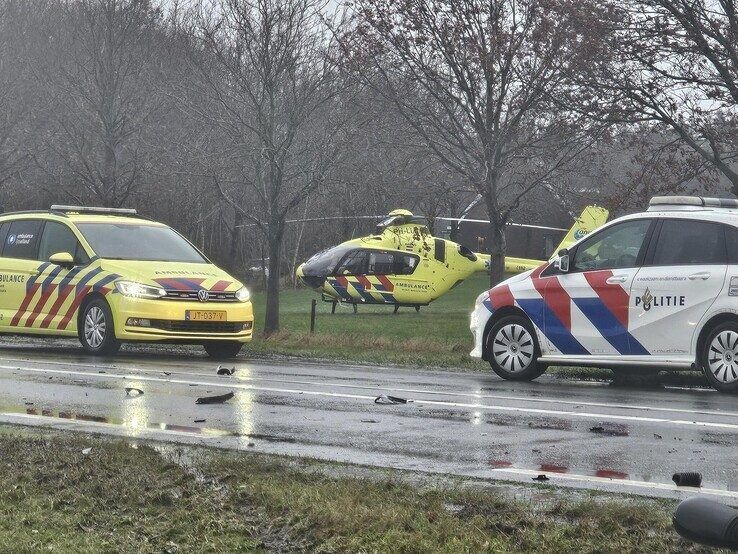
(325,262)
(354,263)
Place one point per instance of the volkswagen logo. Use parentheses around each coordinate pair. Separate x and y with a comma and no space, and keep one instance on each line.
(203,295)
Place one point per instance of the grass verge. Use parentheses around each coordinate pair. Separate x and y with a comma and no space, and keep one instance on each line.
(116,497)
(437,336)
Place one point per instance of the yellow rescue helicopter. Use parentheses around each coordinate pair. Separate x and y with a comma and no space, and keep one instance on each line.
(402,264)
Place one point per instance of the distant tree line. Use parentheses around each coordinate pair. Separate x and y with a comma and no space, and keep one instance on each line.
(237,120)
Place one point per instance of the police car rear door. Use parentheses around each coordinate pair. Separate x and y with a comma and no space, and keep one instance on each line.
(682,275)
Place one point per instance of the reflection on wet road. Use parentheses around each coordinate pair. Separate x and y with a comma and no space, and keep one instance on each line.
(470,424)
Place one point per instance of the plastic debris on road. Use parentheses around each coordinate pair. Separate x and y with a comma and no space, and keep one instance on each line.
(219,399)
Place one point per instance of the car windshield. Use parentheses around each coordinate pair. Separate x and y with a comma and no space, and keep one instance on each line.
(134,241)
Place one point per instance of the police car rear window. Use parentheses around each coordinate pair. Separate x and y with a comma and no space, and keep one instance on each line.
(22,239)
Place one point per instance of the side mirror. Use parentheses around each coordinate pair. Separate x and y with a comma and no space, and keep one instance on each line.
(63,259)
(562,262)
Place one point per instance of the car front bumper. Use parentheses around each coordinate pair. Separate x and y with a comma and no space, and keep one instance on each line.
(477,323)
(166,320)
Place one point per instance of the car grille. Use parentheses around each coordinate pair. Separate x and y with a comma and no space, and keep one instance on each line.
(200,326)
(191,295)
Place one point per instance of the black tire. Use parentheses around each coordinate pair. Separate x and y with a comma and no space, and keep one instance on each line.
(222,349)
(96,328)
(719,357)
(512,349)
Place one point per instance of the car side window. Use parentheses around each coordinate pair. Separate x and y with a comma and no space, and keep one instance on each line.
(731,243)
(22,239)
(3,233)
(689,242)
(613,248)
(58,238)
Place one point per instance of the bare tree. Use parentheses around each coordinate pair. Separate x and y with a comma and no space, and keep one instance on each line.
(673,63)
(475,80)
(273,87)
(102,94)
(16,88)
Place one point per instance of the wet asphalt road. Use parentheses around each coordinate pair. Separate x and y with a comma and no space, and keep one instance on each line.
(579,434)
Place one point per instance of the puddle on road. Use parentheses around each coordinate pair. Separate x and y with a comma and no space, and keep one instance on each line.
(131,424)
(137,425)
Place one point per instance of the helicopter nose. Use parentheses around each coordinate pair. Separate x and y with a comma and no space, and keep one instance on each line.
(312,281)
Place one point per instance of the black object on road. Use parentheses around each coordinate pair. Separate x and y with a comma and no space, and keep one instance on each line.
(707,522)
(541,477)
(687,479)
(133,392)
(215,399)
(387,399)
(226,370)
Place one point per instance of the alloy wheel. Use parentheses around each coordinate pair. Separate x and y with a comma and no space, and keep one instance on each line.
(513,348)
(723,356)
(95,327)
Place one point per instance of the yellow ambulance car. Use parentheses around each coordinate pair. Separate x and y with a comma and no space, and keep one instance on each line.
(108,276)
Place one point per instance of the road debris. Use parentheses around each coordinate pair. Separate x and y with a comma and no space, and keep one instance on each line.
(387,399)
(133,392)
(220,399)
(708,522)
(200,420)
(596,429)
(369,421)
(687,479)
(222,370)
(541,477)
(87,451)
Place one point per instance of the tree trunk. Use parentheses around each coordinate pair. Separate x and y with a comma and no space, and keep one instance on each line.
(271,321)
(233,249)
(498,246)
(497,250)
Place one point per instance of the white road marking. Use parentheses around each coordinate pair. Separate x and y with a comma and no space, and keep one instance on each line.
(417,401)
(556,478)
(634,407)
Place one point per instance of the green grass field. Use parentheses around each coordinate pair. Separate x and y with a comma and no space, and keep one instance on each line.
(436,336)
(81,493)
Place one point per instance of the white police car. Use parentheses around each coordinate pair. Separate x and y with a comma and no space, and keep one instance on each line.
(657,289)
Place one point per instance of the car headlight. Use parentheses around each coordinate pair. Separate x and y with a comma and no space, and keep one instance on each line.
(243,294)
(138,290)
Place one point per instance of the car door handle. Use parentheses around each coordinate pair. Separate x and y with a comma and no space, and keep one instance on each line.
(615,279)
(704,275)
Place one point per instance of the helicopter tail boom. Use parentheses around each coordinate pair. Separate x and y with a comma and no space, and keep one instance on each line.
(591,218)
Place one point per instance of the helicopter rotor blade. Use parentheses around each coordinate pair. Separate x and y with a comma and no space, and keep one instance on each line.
(544,227)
